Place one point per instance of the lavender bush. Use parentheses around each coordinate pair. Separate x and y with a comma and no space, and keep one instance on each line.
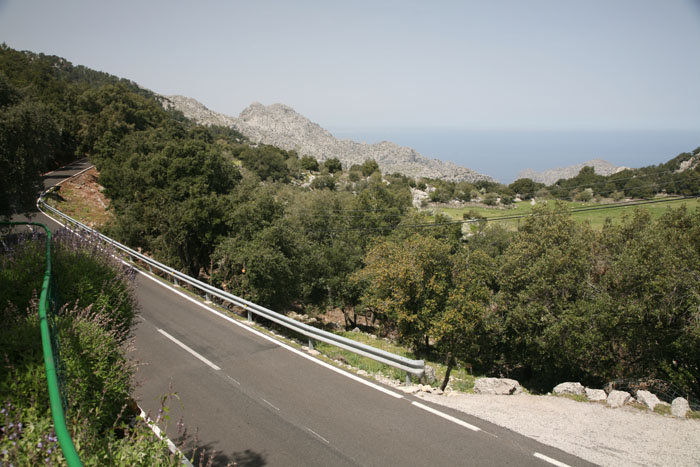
(93,328)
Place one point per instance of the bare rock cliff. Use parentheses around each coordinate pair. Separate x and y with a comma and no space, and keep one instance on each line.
(282,126)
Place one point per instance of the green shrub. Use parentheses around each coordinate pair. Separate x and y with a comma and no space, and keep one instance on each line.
(85,272)
(96,376)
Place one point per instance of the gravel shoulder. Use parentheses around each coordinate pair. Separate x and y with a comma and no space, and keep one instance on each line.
(611,437)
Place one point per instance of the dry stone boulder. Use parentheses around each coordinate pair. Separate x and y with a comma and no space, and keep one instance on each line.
(500,386)
(595,394)
(679,407)
(618,398)
(575,389)
(648,399)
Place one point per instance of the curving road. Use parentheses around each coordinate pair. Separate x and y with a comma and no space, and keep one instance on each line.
(257,401)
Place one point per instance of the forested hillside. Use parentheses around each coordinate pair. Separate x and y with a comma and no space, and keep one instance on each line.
(553,301)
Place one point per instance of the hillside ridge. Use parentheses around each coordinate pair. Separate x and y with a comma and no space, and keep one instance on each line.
(281,126)
(550,176)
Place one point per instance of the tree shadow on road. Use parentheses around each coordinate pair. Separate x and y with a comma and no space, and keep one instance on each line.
(206,455)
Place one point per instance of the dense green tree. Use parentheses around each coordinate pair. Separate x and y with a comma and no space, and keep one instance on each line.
(525,187)
(443,192)
(28,141)
(267,162)
(542,279)
(368,167)
(263,269)
(333,165)
(463,191)
(324,182)
(652,296)
(464,328)
(309,163)
(406,284)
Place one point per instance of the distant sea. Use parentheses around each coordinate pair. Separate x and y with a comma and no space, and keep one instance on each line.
(501,154)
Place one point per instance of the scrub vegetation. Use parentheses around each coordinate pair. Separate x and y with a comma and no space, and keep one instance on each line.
(96,308)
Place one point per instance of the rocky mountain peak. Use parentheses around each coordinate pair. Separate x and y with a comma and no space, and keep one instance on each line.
(280,125)
(279,122)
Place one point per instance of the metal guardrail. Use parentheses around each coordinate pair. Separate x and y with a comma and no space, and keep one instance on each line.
(51,357)
(411,367)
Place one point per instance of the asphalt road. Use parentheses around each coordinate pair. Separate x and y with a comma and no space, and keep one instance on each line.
(256,401)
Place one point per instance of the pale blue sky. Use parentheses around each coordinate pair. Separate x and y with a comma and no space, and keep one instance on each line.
(513,64)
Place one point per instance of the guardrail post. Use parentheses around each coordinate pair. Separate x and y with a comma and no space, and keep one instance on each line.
(250,316)
(150,269)
(311,344)
(408,378)
(175,281)
(206,297)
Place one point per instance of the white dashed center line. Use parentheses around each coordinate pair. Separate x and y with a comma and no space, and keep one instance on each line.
(189,350)
(270,404)
(317,435)
(233,380)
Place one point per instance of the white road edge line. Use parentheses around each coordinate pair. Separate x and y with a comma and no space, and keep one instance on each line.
(319,436)
(281,344)
(270,404)
(550,460)
(171,446)
(445,416)
(189,350)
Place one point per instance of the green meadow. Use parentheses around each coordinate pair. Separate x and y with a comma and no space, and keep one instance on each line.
(596,216)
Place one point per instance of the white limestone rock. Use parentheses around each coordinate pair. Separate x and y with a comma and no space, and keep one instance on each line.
(575,389)
(618,398)
(430,376)
(648,399)
(498,386)
(595,395)
(679,407)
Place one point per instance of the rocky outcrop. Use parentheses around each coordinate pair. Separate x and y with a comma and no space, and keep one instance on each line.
(548,177)
(574,389)
(282,126)
(689,164)
(499,386)
(196,111)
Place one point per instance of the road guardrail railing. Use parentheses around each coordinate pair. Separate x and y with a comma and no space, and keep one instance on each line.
(411,367)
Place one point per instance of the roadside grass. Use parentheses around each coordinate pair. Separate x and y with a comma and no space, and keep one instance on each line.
(639,406)
(573,397)
(662,409)
(460,379)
